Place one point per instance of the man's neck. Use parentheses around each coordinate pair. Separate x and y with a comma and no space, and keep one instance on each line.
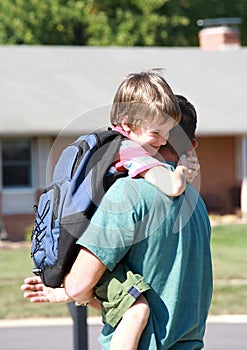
(169,156)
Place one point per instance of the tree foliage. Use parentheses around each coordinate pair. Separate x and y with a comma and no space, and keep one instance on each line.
(112,22)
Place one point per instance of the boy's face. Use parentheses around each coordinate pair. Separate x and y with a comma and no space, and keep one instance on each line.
(152,136)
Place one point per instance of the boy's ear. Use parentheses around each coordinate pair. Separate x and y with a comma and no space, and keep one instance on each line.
(125,124)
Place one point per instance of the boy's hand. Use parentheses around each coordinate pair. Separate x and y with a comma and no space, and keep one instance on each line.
(191,166)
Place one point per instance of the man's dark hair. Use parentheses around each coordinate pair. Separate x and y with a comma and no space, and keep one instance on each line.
(189,117)
(178,142)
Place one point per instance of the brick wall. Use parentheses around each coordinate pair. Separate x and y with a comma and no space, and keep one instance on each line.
(16,225)
(219,186)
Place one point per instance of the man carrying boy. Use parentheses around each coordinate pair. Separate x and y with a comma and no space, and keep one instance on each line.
(135,225)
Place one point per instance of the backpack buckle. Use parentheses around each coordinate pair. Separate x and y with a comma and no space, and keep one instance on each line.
(37,271)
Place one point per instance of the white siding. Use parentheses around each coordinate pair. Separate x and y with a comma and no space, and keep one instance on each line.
(42,167)
(18,202)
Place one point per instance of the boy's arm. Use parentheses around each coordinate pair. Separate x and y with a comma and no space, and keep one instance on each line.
(139,163)
(173,183)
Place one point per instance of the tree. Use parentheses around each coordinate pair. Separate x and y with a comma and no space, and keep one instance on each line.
(112,22)
(54,22)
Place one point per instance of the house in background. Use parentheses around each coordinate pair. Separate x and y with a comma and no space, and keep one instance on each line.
(50,95)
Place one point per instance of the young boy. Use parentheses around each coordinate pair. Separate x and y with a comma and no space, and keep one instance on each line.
(146,118)
(145,110)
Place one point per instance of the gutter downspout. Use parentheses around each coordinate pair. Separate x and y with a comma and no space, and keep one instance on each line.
(244,177)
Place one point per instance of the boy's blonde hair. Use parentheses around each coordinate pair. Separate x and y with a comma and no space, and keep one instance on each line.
(143,97)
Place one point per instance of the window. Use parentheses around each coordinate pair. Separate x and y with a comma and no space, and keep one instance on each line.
(16,163)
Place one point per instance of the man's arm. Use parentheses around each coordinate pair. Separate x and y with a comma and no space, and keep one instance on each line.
(84,275)
(79,283)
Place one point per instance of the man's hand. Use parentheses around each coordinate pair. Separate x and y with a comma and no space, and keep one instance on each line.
(37,292)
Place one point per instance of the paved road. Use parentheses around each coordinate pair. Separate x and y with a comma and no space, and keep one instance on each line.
(226,336)
(219,336)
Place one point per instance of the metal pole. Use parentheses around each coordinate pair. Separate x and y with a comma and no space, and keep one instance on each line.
(79,316)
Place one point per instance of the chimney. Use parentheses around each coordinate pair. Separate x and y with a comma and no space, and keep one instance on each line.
(219,33)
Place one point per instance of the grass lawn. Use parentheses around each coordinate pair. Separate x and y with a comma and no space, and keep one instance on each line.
(229,252)
(15,264)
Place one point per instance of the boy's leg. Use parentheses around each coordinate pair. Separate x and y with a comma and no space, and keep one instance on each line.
(129,330)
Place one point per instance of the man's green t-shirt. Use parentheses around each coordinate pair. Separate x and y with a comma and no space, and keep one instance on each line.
(167,241)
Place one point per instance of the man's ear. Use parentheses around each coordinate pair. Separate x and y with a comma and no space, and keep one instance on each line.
(194,144)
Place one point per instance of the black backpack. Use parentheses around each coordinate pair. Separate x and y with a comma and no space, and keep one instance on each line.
(81,178)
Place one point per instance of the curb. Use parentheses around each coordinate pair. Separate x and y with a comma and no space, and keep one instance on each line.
(96,321)
(46,322)
(227,319)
